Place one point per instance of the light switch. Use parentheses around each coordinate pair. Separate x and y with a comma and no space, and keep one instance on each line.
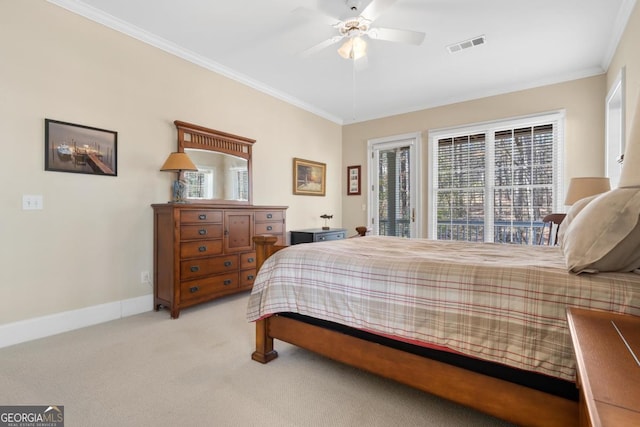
(31,202)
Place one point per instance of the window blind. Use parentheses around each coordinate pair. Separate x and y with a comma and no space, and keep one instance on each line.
(496,183)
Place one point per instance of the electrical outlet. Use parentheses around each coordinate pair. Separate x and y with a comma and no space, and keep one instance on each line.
(144,277)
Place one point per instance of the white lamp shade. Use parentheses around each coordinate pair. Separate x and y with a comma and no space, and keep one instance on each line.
(353,48)
(582,187)
(630,174)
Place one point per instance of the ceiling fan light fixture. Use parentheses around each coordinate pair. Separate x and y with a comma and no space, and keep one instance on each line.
(354,48)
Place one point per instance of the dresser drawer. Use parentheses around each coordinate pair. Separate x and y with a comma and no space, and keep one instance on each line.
(334,235)
(269,227)
(195,289)
(247,277)
(203,231)
(200,248)
(262,216)
(200,216)
(194,268)
(248,260)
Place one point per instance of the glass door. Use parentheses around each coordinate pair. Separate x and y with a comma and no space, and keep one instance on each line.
(393,173)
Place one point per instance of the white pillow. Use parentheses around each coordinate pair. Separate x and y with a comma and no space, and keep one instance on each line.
(571,214)
(605,234)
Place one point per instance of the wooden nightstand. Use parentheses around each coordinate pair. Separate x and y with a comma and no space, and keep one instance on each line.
(607,346)
(317,235)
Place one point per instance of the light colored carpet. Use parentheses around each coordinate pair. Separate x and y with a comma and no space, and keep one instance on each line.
(149,370)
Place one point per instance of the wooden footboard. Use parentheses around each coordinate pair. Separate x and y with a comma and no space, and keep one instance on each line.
(503,399)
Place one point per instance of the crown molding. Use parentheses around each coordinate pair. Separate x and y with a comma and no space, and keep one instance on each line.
(137,33)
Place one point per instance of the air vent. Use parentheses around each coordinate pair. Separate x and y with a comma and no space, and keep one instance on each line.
(458,47)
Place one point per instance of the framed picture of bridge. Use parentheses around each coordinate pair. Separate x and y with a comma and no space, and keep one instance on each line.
(70,147)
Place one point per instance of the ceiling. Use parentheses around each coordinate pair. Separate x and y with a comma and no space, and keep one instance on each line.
(259,43)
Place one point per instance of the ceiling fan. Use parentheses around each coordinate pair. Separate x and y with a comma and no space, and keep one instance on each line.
(356,28)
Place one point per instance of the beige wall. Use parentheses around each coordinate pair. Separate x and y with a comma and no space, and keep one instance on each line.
(583,101)
(94,236)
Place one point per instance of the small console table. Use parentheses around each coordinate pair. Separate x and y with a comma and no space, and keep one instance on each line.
(317,235)
(607,347)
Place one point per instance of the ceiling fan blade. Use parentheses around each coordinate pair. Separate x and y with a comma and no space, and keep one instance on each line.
(376,8)
(393,35)
(320,46)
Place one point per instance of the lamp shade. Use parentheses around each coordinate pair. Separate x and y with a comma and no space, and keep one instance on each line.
(353,48)
(582,187)
(177,162)
(630,173)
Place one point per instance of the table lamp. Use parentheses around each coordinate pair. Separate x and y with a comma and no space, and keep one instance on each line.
(178,162)
(582,187)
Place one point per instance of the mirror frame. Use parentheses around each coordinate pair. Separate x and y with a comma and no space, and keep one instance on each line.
(201,138)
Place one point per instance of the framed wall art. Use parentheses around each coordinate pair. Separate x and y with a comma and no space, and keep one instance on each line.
(353,180)
(309,178)
(69,147)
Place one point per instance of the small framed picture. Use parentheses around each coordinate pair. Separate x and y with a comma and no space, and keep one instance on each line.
(353,180)
(76,148)
(309,178)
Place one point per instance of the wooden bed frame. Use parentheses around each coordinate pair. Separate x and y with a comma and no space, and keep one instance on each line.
(500,398)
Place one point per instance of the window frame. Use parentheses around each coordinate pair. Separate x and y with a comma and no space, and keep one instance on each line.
(489,128)
(615,128)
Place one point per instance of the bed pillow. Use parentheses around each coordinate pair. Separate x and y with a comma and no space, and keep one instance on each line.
(571,214)
(605,234)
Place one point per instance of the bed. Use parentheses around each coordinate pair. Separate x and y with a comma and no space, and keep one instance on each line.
(481,324)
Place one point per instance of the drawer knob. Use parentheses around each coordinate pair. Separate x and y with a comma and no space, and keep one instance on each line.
(227,263)
(202,231)
(322,238)
(195,269)
(251,259)
(202,249)
(250,277)
(227,282)
(202,216)
(269,228)
(269,216)
(194,289)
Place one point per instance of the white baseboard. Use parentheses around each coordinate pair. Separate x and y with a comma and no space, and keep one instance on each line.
(40,327)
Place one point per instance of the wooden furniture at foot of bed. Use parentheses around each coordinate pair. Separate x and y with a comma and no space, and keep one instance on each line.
(503,399)
(608,371)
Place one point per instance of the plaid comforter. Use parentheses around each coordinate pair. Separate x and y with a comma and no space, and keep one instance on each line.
(497,302)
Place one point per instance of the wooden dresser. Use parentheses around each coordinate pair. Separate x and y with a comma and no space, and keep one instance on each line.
(607,346)
(204,251)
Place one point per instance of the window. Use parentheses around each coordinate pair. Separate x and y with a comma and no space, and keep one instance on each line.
(494,182)
(394,209)
(240,179)
(200,183)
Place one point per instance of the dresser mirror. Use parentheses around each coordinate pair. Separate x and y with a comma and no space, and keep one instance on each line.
(223,161)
